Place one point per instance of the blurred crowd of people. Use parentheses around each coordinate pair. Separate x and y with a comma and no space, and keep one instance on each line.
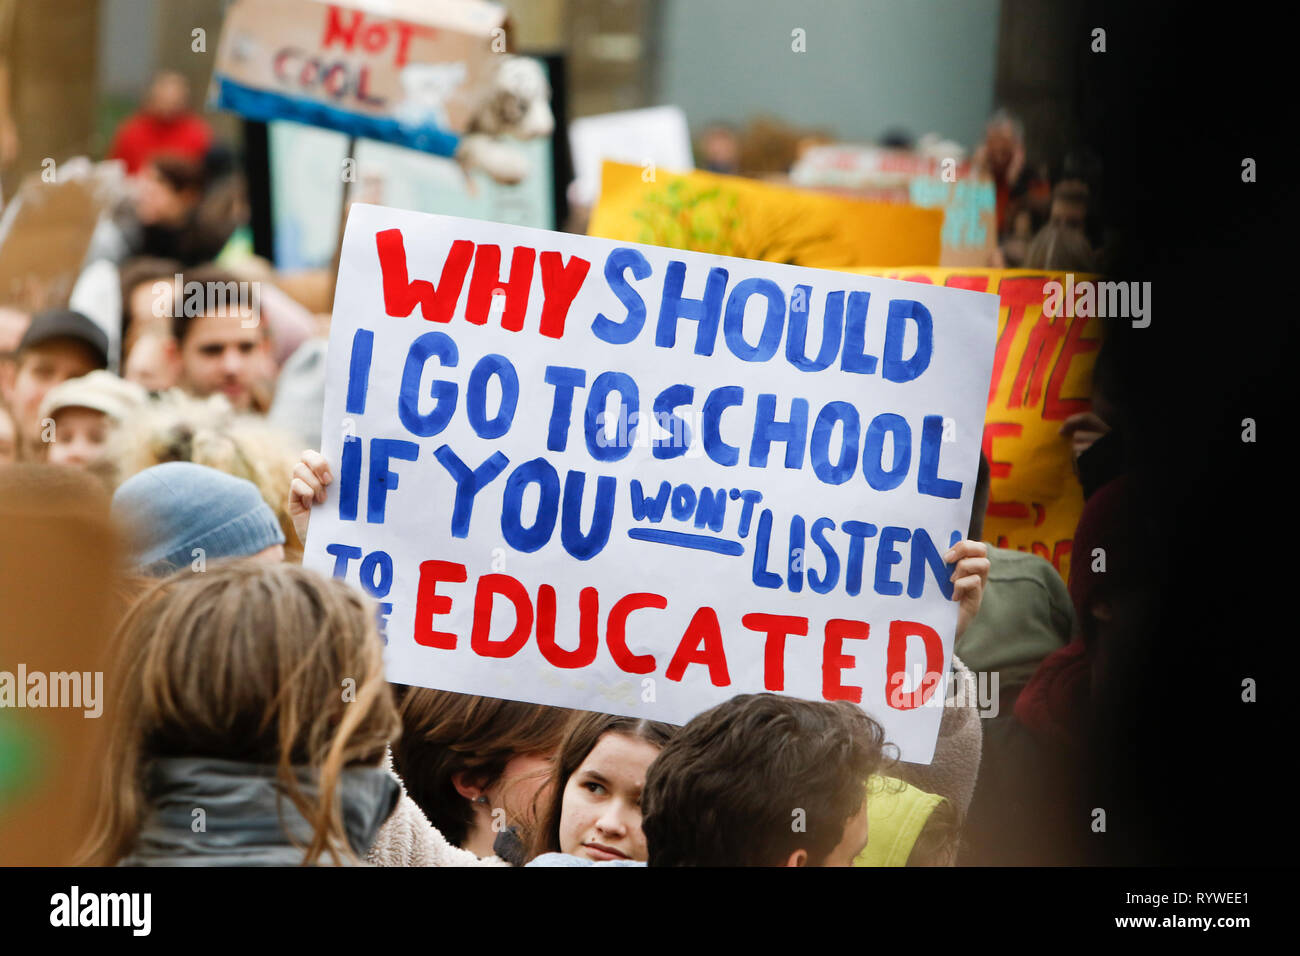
(177,414)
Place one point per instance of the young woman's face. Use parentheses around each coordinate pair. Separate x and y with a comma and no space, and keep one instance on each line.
(600,817)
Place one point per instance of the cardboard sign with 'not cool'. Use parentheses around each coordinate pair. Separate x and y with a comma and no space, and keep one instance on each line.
(638,480)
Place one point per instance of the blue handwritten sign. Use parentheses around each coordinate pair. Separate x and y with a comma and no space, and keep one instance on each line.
(641,480)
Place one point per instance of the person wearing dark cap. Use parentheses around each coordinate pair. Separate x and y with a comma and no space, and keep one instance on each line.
(58,345)
(175,513)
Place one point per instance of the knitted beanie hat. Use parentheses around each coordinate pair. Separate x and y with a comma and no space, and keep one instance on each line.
(171,509)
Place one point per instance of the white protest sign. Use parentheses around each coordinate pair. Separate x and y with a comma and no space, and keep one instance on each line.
(656,137)
(638,480)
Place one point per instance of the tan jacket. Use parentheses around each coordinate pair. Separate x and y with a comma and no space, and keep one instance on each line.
(956,763)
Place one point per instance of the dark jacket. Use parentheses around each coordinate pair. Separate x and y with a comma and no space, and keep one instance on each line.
(246,820)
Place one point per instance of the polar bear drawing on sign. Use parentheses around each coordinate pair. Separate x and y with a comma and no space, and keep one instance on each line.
(514,102)
(425,88)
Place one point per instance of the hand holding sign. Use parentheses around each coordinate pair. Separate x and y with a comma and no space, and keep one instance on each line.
(639,480)
(968,578)
(307,487)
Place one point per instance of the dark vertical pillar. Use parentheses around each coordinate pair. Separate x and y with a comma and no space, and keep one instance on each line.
(257,172)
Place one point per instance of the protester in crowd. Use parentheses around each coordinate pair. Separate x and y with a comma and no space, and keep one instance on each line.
(593,803)
(153,362)
(82,412)
(225,346)
(284,767)
(208,432)
(146,286)
(475,765)
(719,149)
(59,344)
(763,780)
(1069,208)
(154,290)
(165,198)
(908,827)
(165,124)
(1097,435)
(1002,158)
(171,216)
(1038,197)
(149,354)
(1025,616)
(8,435)
(1055,703)
(1060,249)
(1015,247)
(182,515)
(1083,168)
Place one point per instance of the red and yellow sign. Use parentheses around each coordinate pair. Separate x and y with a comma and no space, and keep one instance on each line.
(1042,373)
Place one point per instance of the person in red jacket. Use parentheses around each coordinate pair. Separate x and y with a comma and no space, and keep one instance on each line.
(165,124)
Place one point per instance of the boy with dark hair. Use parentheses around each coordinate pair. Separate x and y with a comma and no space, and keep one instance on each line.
(763,780)
(221,341)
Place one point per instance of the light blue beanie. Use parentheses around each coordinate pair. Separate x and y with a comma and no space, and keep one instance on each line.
(169,510)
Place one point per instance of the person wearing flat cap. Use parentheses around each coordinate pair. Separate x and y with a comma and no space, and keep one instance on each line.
(59,344)
(80,413)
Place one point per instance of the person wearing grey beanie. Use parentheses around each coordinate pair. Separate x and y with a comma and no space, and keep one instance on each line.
(176,513)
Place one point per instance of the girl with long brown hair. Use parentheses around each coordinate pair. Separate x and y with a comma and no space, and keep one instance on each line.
(247,724)
(475,764)
(593,802)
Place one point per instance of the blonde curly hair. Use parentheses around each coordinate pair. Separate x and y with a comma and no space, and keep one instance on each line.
(207,431)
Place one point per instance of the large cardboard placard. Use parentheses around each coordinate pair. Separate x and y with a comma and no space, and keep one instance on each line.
(640,480)
(399,71)
(1042,374)
(735,216)
(45,234)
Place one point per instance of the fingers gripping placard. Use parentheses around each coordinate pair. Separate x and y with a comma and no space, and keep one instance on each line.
(640,480)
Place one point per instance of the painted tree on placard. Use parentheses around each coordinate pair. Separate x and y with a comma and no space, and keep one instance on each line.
(719,221)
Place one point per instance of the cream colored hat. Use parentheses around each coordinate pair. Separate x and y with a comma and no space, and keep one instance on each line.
(99,390)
